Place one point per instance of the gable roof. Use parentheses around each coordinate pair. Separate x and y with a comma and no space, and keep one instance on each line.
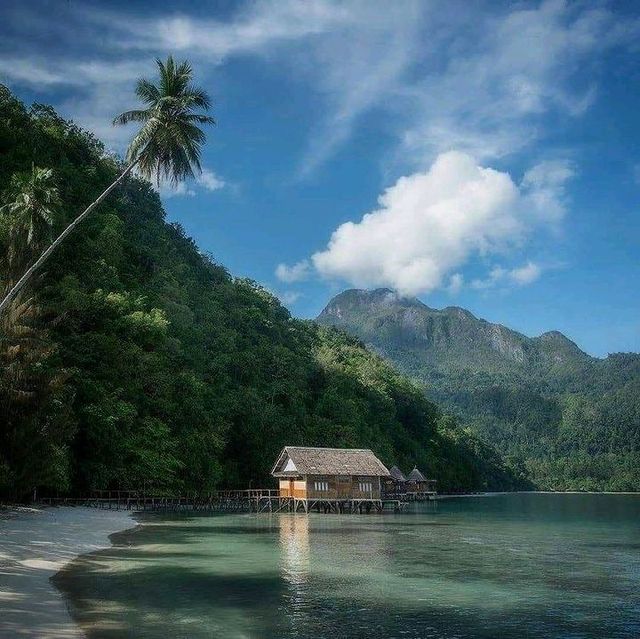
(397,474)
(416,475)
(328,461)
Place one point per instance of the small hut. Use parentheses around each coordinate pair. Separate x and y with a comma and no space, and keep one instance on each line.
(417,483)
(395,484)
(329,473)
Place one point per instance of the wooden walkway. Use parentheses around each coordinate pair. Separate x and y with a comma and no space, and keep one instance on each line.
(259,500)
(250,500)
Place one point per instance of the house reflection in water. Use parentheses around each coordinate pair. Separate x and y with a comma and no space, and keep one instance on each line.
(294,562)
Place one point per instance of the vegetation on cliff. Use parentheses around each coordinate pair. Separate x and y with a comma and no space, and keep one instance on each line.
(567,420)
(134,360)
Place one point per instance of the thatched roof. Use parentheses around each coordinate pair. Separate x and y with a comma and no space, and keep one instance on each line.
(299,460)
(397,474)
(416,475)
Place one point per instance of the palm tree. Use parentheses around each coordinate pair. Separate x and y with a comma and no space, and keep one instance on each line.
(33,204)
(167,146)
(28,217)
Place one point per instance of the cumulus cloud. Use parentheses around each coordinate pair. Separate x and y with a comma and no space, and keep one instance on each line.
(431,223)
(296,273)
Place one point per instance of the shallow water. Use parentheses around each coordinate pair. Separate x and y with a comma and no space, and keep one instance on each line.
(543,566)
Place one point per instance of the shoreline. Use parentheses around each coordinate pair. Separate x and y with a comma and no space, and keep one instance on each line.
(36,544)
(536,492)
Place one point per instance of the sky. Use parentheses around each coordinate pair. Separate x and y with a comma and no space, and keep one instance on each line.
(475,154)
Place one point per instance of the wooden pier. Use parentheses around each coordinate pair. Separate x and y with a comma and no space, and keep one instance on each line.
(258,500)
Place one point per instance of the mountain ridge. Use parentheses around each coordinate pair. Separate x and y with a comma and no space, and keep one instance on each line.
(573,420)
(413,316)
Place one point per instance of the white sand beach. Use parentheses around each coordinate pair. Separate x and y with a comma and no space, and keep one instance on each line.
(34,545)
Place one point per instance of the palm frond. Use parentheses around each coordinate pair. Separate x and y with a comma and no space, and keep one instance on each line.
(136,115)
(169,144)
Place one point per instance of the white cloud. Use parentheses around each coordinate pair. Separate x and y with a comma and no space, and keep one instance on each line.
(253,28)
(499,276)
(526,274)
(289,297)
(168,190)
(545,183)
(489,95)
(471,77)
(456,282)
(430,223)
(296,273)
(209,180)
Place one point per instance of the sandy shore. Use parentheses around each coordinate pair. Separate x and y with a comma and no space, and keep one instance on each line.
(34,545)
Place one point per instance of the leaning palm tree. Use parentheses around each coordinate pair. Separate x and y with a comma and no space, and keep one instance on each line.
(167,146)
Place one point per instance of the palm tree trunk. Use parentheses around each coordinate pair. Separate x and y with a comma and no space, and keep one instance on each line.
(17,287)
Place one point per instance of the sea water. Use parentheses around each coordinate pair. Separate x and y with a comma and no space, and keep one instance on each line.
(504,566)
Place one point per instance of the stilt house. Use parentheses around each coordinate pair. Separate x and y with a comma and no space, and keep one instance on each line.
(417,483)
(395,484)
(329,473)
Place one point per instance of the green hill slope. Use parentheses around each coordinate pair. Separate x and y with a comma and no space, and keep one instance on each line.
(571,419)
(140,362)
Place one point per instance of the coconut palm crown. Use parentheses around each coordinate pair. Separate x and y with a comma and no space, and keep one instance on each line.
(33,204)
(169,144)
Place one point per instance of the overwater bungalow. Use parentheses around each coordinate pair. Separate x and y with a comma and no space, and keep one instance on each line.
(417,484)
(330,477)
(395,484)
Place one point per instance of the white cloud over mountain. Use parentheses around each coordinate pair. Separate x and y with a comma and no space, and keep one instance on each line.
(430,224)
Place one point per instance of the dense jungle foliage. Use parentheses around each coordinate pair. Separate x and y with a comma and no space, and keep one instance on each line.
(567,420)
(136,361)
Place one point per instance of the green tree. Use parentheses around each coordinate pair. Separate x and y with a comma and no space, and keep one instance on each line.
(27,219)
(168,145)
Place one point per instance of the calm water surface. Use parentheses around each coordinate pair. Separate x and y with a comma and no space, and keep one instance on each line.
(543,566)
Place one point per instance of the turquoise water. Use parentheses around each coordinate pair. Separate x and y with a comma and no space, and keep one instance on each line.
(543,566)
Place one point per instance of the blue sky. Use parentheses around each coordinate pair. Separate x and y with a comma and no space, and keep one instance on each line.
(483,155)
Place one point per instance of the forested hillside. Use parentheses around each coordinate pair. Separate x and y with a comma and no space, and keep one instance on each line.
(135,360)
(570,421)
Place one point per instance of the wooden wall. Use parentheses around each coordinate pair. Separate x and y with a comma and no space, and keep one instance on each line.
(331,487)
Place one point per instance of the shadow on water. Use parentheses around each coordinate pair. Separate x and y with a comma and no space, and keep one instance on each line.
(409,576)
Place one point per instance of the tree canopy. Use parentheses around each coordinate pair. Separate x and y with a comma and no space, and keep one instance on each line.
(138,361)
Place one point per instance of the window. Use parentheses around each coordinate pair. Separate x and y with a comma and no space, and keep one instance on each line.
(321,486)
(365,486)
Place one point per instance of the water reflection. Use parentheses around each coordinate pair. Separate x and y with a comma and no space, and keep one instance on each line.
(514,567)
(295,568)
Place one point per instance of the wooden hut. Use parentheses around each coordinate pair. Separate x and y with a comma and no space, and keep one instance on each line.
(329,474)
(418,484)
(395,483)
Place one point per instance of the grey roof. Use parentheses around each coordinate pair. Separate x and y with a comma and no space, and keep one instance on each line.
(329,461)
(397,474)
(416,475)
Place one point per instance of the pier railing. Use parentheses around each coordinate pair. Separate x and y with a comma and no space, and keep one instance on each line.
(249,499)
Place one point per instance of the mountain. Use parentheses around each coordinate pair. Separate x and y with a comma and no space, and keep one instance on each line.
(572,420)
(135,361)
